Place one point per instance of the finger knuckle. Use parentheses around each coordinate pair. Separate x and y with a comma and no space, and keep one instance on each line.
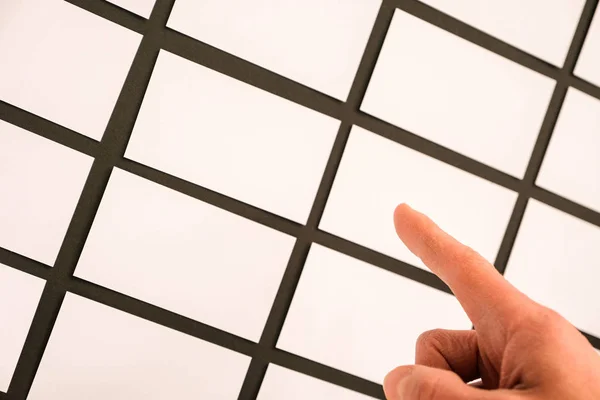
(430,338)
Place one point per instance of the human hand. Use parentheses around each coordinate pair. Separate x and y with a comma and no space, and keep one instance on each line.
(520,349)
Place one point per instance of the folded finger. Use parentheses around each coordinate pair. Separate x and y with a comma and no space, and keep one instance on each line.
(455,351)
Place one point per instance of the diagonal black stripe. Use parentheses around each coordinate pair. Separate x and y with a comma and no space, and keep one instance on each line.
(211,197)
(252,74)
(47,129)
(584,86)
(326,373)
(24,264)
(432,149)
(565,205)
(380,260)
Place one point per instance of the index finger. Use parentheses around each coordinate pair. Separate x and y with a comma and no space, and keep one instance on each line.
(478,286)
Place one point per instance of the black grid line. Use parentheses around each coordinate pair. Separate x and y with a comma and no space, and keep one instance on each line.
(109,152)
(566,205)
(47,129)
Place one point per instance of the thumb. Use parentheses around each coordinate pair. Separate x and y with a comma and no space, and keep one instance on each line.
(418,382)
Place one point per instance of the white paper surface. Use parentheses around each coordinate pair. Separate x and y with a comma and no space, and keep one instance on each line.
(96,352)
(571,166)
(376,175)
(555,261)
(184,255)
(230,137)
(63,63)
(40,185)
(356,317)
(19,296)
(457,94)
(318,43)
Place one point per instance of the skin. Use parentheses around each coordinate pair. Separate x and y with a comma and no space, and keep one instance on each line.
(519,349)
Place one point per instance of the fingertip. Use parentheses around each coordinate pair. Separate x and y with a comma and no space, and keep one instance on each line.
(400,211)
(403,214)
(413,228)
(403,207)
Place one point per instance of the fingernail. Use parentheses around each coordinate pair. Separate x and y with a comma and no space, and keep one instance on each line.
(394,382)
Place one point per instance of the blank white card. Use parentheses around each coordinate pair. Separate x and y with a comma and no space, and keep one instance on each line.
(231,137)
(184,255)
